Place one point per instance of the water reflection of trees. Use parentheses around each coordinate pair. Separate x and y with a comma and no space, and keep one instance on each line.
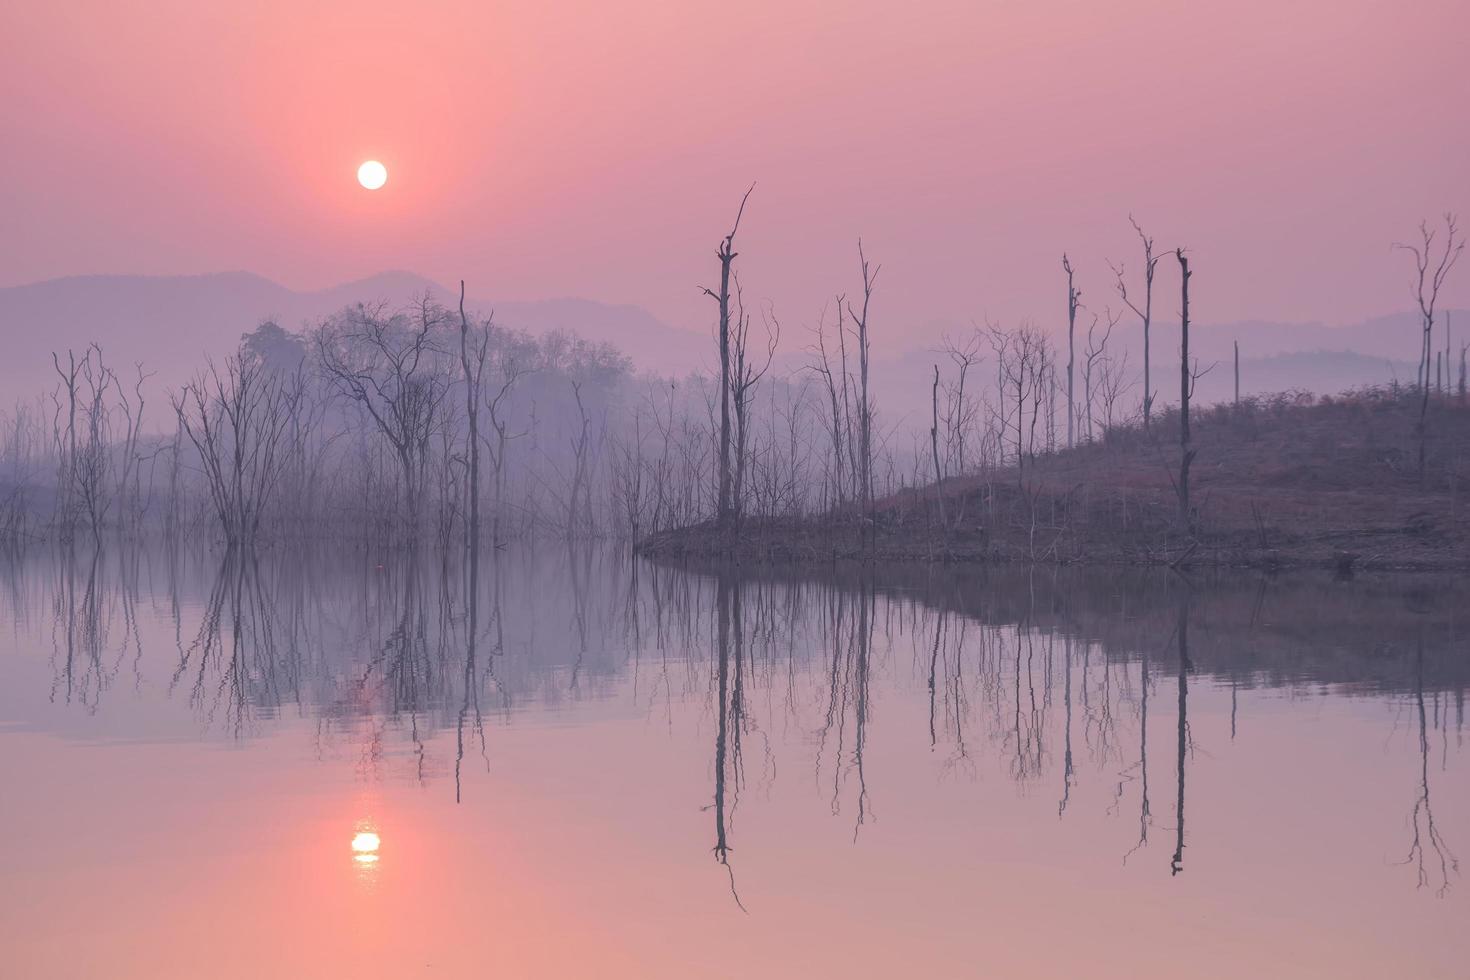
(1005,678)
(1057,678)
(94,626)
(1438,865)
(847,638)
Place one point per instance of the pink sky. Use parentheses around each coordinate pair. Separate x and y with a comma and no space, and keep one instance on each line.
(599,149)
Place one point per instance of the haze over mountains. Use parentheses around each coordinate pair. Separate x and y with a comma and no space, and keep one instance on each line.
(171,323)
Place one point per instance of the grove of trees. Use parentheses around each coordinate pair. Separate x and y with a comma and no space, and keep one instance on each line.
(419,425)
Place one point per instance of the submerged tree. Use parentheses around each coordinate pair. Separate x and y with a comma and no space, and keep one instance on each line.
(474,373)
(387,365)
(239,423)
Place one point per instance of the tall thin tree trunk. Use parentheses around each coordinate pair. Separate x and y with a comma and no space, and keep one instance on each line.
(934,444)
(1186,448)
(472,409)
(1421,429)
(726,257)
(726,254)
(1148,392)
(1073,296)
(1237,374)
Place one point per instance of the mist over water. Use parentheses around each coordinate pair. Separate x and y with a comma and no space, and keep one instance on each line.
(335,762)
(776,490)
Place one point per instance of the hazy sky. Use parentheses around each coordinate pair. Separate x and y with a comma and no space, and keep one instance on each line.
(599,149)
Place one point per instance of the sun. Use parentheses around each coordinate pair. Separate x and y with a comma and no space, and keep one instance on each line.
(372,175)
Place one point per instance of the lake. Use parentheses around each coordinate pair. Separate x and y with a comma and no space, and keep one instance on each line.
(570,762)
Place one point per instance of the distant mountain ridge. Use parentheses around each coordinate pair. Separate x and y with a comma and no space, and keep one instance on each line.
(171,323)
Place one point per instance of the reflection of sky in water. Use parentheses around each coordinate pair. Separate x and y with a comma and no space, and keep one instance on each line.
(904,789)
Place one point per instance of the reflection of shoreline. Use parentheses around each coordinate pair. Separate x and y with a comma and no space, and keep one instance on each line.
(1048,669)
(255,637)
(1257,630)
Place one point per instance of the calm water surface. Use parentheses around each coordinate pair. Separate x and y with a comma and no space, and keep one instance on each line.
(341,765)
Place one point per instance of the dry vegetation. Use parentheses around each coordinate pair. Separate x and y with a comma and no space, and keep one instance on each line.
(1284,481)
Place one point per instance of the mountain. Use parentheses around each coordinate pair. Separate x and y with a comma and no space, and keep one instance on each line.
(170,323)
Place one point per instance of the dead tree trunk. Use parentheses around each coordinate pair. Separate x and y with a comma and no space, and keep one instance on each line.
(1237,374)
(1449,364)
(1150,261)
(745,374)
(1096,352)
(66,444)
(472,375)
(865,405)
(1074,297)
(934,445)
(726,254)
(1431,276)
(1186,386)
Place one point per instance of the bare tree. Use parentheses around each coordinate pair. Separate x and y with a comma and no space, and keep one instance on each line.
(746,373)
(129,490)
(385,364)
(1237,374)
(1021,370)
(1074,300)
(514,358)
(1448,364)
(85,474)
(627,474)
(1097,348)
(959,412)
(1113,383)
(64,400)
(865,404)
(580,502)
(474,372)
(1150,260)
(1431,273)
(726,254)
(836,420)
(237,422)
(1186,389)
(934,445)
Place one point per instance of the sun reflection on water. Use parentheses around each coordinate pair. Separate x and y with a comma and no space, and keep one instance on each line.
(365,844)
